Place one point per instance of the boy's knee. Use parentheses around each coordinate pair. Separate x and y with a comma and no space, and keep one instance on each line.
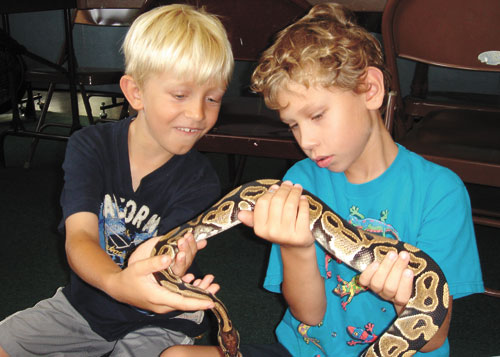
(3,353)
(175,351)
(192,351)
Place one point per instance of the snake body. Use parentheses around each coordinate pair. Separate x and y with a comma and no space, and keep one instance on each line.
(412,329)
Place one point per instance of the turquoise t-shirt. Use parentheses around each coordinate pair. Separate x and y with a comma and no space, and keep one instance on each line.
(415,201)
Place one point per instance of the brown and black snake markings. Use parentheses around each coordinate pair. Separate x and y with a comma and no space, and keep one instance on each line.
(417,324)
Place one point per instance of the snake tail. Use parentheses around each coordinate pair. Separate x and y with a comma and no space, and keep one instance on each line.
(227,336)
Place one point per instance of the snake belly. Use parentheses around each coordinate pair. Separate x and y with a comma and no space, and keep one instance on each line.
(418,323)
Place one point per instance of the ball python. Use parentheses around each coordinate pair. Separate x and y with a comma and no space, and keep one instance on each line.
(417,324)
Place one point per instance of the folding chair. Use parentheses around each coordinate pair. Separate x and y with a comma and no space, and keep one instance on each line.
(66,70)
(459,130)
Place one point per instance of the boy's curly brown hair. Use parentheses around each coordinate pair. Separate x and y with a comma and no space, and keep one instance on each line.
(326,47)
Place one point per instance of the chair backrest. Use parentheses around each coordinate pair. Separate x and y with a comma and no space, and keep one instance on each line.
(111,4)
(109,12)
(252,24)
(459,34)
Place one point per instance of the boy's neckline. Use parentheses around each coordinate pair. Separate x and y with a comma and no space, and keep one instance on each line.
(366,187)
(124,143)
(386,158)
(137,169)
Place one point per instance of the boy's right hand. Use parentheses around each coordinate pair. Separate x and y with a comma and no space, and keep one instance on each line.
(136,285)
(281,216)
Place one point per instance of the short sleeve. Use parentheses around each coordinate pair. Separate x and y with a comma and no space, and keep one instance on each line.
(82,176)
(274,274)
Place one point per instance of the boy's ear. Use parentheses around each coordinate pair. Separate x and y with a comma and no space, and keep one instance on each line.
(131,91)
(374,96)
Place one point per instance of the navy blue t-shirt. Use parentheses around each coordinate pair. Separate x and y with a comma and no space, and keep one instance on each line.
(98,180)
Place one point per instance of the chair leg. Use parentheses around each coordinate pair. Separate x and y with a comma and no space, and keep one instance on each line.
(17,124)
(40,125)
(86,104)
(419,84)
(30,103)
(2,150)
(75,119)
(492,292)
(124,111)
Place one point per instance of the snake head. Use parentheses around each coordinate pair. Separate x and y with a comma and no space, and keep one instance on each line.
(229,342)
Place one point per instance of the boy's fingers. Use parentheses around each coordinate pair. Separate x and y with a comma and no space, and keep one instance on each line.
(291,206)
(379,278)
(201,244)
(196,303)
(272,189)
(143,250)
(367,275)
(278,202)
(246,217)
(213,289)
(191,244)
(405,288)
(180,302)
(187,245)
(205,282)
(180,257)
(153,264)
(303,214)
(188,278)
(262,206)
(394,277)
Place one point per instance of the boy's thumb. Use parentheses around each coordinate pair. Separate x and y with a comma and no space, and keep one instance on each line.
(246,217)
(160,262)
(152,265)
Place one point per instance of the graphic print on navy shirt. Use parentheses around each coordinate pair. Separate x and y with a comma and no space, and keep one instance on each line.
(124,225)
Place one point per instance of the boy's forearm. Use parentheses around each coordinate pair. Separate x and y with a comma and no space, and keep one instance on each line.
(303,286)
(85,255)
(87,259)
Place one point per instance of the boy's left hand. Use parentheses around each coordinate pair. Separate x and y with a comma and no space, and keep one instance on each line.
(391,279)
(188,248)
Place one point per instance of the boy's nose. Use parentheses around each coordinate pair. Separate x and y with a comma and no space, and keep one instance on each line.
(195,111)
(306,139)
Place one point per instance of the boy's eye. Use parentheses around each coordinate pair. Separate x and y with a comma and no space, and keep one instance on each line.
(317,116)
(214,100)
(178,96)
(292,126)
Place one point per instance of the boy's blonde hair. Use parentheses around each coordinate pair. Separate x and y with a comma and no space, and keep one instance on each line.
(180,39)
(325,47)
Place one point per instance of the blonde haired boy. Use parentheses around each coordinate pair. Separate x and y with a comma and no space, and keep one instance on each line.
(126,183)
(325,75)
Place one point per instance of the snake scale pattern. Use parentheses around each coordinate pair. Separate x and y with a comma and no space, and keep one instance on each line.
(417,324)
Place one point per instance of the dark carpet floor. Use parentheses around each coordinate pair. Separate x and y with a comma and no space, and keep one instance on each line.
(33,265)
